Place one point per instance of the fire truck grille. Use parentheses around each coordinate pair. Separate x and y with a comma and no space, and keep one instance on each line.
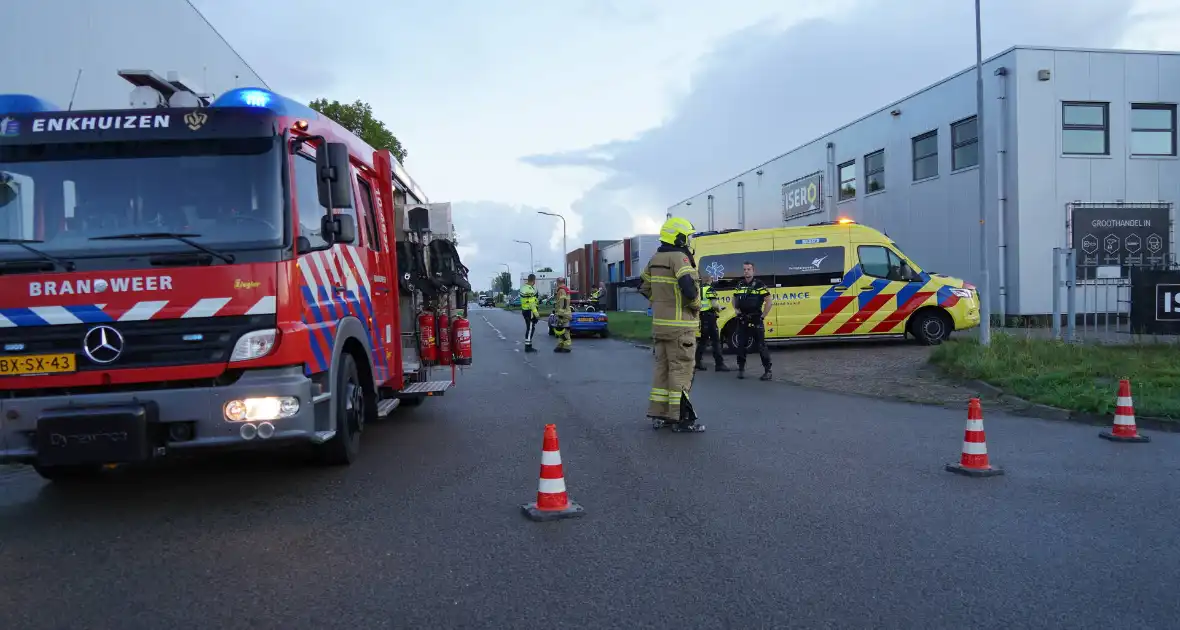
(152,343)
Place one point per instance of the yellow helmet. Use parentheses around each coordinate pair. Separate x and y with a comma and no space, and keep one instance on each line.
(677,232)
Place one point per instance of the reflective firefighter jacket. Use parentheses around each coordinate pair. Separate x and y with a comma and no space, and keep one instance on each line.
(561,306)
(670,281)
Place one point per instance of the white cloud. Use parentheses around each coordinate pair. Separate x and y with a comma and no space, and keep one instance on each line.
(767,89)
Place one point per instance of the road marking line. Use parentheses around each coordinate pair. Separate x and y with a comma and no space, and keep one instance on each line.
(498,333)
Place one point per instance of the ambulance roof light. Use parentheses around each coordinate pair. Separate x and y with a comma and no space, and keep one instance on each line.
(845,221)
(24,104)
(265,99)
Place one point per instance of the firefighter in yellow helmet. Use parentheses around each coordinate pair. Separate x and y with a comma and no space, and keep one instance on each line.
(671,283)
(564,313)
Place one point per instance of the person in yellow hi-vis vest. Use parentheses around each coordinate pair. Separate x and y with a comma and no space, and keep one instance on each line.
(564,313)
(670,281)
(708,334)
(528,307)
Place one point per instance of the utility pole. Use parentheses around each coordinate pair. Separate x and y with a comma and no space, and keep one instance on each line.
(985,285)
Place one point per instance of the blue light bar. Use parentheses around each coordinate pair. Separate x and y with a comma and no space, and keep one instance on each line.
(24,104)
(264,99)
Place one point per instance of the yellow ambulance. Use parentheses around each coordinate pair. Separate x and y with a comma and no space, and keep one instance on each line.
(835,280)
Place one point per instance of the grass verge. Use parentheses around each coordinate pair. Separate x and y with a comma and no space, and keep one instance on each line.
(630,326)
(1077,377)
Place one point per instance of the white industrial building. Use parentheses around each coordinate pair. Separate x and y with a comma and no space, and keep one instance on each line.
(50,45)
(546,284)
(1061,126)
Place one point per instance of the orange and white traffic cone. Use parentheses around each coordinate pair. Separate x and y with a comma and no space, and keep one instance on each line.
(552,501)
(973,461)
(1124,429)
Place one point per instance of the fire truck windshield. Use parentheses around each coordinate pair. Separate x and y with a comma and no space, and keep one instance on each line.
(68,197)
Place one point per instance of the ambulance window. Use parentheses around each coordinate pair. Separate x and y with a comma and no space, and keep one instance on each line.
(808,266)
(880,262)
(307,200)
(366,195)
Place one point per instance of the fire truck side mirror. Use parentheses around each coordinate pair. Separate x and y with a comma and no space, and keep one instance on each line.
(338,228)
(335,185)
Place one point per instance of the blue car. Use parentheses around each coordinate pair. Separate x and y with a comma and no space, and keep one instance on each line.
(584,324)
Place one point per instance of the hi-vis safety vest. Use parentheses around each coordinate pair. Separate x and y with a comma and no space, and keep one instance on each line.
(672,315)
(528,298)
(708,295)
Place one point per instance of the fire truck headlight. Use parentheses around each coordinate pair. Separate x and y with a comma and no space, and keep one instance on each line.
(254,344)
(261,409)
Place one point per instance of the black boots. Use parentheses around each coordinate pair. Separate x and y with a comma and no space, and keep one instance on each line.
(766,375)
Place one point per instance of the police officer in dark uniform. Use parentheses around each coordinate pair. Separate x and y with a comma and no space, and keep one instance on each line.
(753,302)
(711,307)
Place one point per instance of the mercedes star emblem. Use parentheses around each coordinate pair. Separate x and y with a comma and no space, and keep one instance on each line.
(103,344)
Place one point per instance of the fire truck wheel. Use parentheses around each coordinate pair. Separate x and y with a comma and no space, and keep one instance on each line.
(68,474)
(349,397)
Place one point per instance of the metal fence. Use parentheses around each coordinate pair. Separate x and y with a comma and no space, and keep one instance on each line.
(1092,303)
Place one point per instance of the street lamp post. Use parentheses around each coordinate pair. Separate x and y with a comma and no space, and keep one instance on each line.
(985,289)
(564,246)
(531,269)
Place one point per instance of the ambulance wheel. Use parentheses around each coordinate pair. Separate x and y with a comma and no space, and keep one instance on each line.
(931,327)
(350,400)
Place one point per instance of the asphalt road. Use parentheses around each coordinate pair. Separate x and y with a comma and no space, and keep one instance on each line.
(796,509)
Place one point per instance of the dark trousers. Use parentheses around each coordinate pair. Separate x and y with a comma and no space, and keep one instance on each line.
(752,328)
(530,326)
(709,335)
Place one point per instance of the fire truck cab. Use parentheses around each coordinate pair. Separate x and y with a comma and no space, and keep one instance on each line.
(201,273)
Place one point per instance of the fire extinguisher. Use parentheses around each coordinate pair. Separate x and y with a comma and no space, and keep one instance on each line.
(461,333)
(444,339)
(426,348)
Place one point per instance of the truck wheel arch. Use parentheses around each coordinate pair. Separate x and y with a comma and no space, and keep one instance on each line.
(351,338)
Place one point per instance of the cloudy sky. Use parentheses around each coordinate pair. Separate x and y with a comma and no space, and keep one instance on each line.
(609,111)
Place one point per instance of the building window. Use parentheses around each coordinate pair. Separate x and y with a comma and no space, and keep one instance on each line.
(875,171)
(1085,128)
(964,143)
(847,172)
(926,155)
(1153,129)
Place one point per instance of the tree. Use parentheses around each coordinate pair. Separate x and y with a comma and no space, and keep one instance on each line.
(504,282)
(357,117)
(545,270)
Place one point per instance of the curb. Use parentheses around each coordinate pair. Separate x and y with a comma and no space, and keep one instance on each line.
(1022,407)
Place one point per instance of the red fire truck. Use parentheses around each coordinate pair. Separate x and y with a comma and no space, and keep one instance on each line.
(197,273)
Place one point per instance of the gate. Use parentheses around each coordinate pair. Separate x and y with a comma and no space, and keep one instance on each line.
(1112,247)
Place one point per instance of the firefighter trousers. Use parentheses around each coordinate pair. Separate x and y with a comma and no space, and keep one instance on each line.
(672,375)
(562,331)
